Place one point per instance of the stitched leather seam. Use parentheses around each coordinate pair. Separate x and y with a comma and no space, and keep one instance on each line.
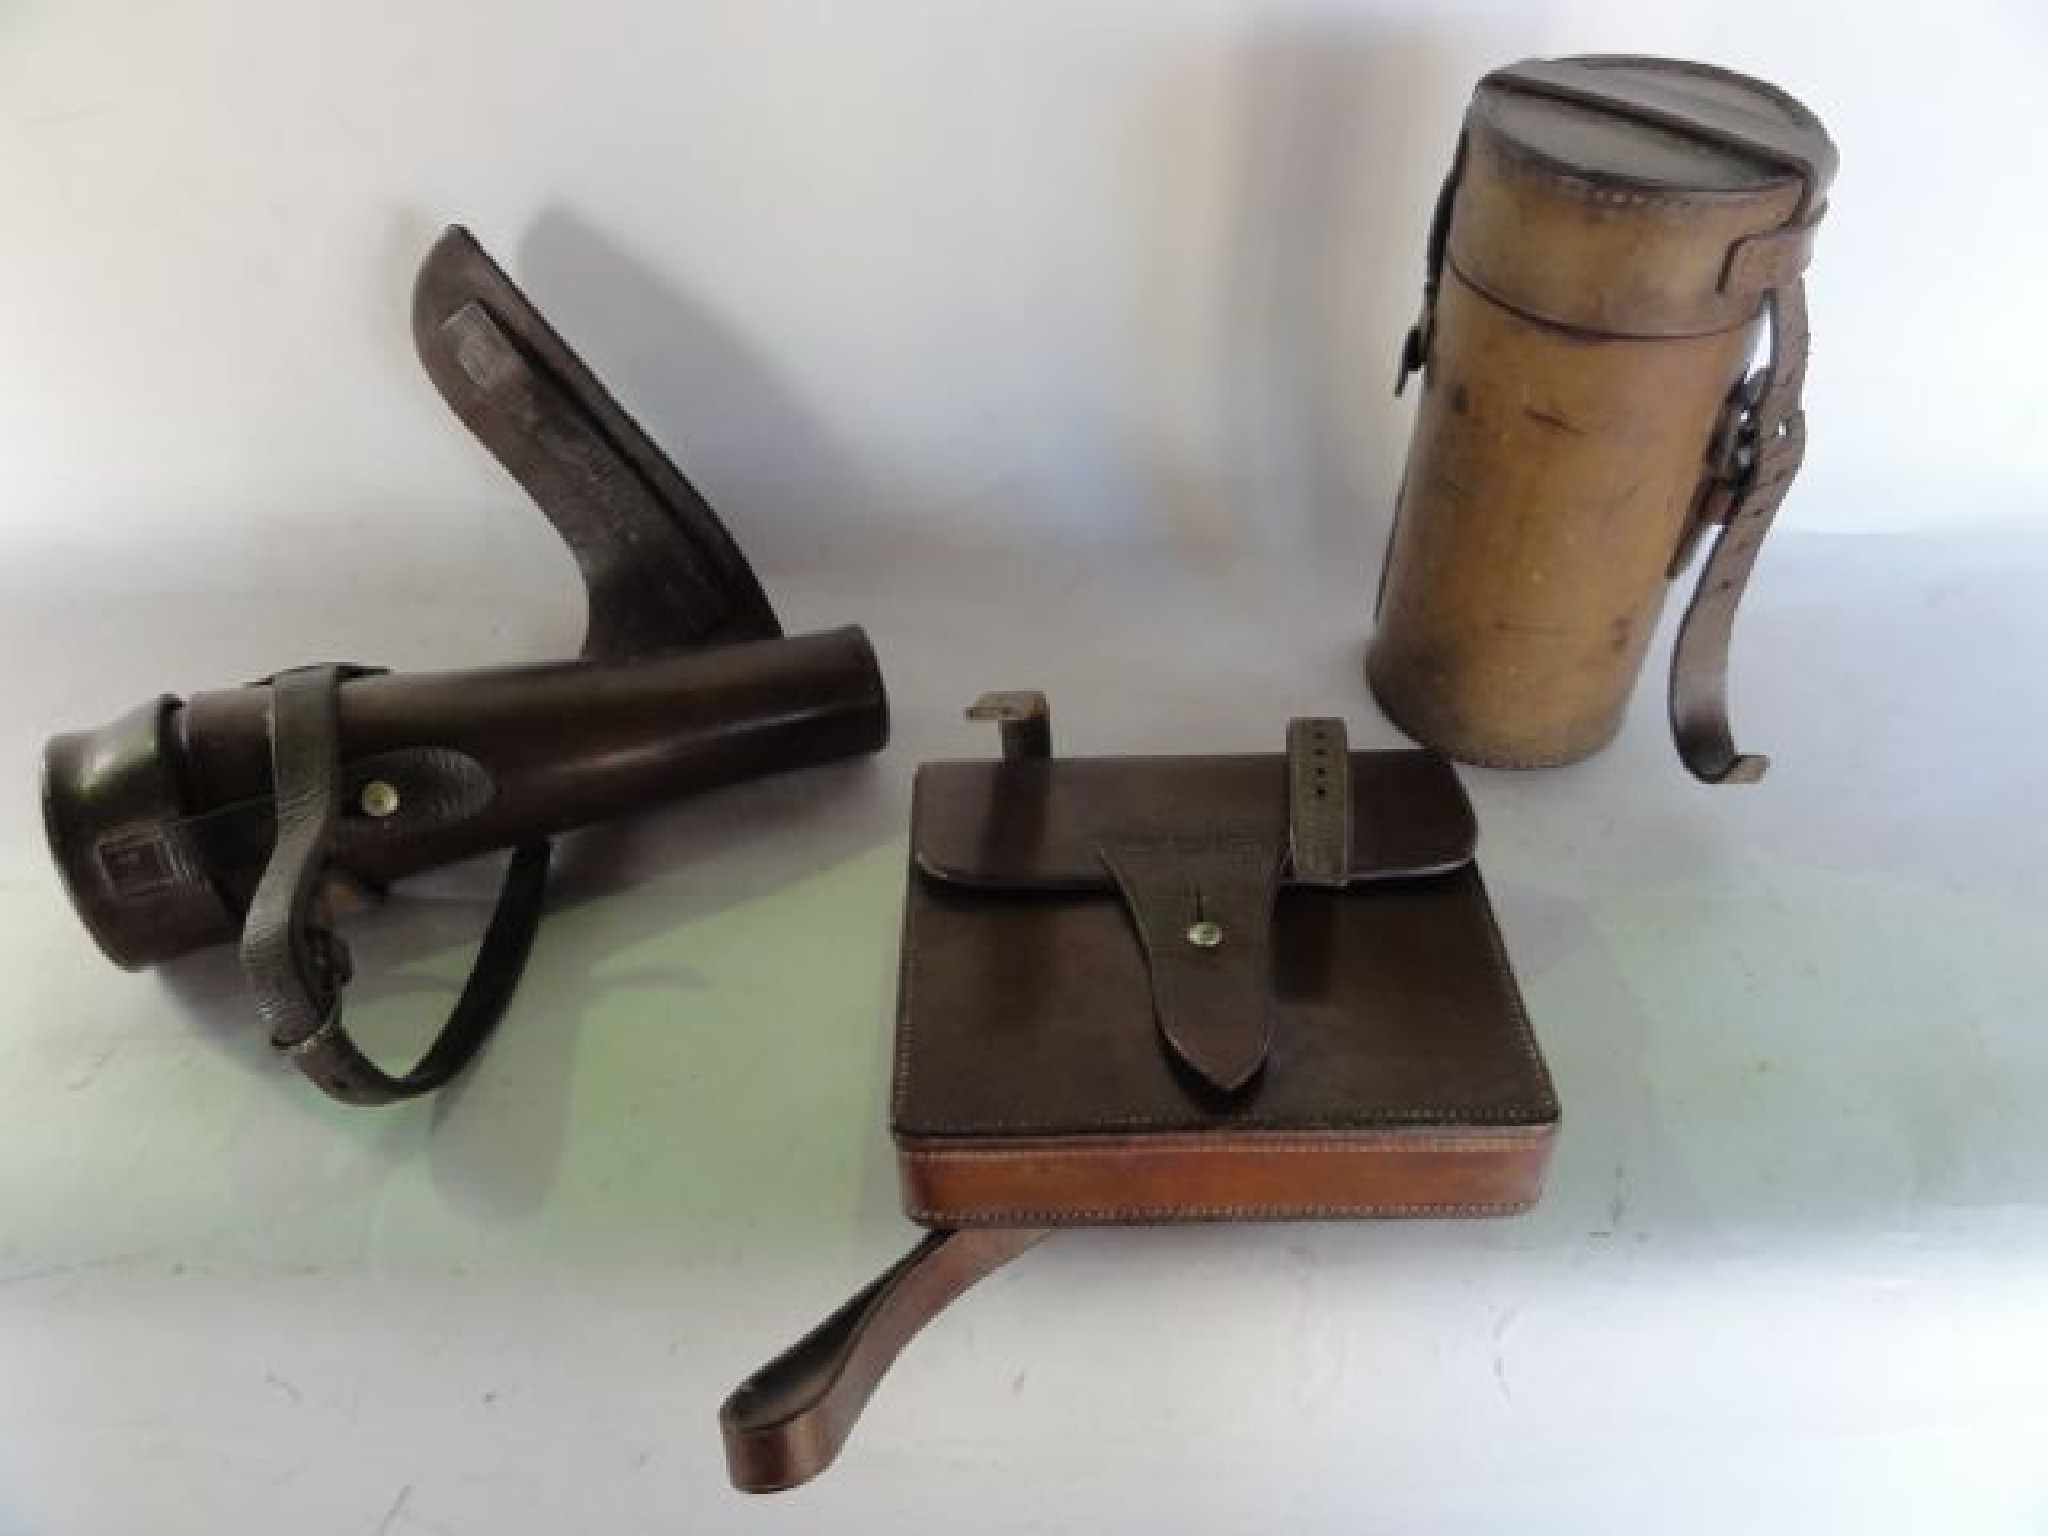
(899,1089)
(1524,1034)
(1545,1108)
(1219,1145)
(1167,1213)
(1536,1116)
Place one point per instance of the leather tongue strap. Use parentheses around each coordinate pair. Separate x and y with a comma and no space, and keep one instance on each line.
(787,1422)
(1319,801)
(1773,447)
(1203,907)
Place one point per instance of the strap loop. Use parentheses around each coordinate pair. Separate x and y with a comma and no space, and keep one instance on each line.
(1776,431)
(297,966)
(787,1422)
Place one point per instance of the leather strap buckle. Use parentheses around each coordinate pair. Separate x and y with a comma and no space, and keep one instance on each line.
(1730,459)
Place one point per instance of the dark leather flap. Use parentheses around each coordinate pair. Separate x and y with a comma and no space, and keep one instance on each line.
(1040,824)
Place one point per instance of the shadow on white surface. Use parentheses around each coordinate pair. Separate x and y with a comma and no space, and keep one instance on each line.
(494,1141)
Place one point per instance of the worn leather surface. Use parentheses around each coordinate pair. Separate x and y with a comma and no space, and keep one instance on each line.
(1025,1043)
(163,820)
(1549,479)
(1613,233)
(1038,823)
(1262,1174)
(1697,106)
(1366,1053)
(112,804)
(297,966)
(662,572)
(568,743)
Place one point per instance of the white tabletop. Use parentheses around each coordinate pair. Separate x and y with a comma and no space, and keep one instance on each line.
(1791,1272)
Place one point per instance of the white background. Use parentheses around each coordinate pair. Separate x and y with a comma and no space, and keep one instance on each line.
(1051,340)
(1063,271)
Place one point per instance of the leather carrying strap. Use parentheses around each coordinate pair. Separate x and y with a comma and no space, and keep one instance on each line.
(1319,801)
(1769,445)
(297,966)
(787,1422)
(1415,346)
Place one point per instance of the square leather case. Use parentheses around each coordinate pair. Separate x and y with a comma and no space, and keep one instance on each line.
(1072,922)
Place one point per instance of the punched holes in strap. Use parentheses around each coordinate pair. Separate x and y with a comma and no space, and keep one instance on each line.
(1319,802)
(296,966)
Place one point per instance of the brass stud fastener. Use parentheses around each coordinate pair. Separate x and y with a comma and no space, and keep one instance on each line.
(1205,935)
(379,798)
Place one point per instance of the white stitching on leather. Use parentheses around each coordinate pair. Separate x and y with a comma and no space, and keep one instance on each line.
(1167,1215)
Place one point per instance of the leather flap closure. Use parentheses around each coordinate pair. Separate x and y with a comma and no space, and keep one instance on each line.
(1204,918)
(1041,823)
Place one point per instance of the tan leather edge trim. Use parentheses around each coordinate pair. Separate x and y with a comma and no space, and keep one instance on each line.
(1425,1138)
(1209,1177)
(1171,1216)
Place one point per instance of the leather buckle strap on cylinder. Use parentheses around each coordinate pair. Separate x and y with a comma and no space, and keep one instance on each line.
(1588,317)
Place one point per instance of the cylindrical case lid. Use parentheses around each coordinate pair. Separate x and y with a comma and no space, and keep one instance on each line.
(1635,196)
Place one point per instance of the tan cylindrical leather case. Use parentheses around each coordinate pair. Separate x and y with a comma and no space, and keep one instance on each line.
(1615,241)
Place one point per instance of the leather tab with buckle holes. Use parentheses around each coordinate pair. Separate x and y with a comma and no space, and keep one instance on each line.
(1319,802)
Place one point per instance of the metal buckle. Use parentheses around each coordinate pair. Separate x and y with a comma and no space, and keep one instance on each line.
(1731,469)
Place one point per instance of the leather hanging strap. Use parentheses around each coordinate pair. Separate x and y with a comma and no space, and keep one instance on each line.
(1767,446)
(787,1422)
(297,966)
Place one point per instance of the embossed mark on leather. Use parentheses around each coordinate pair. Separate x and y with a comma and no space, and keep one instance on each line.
(142,863)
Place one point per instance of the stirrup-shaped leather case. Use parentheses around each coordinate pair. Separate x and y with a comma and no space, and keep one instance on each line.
(1169,989)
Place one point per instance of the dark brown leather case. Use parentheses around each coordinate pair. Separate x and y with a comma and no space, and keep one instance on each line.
(1174,989)
(255,813)
(1036,1082)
